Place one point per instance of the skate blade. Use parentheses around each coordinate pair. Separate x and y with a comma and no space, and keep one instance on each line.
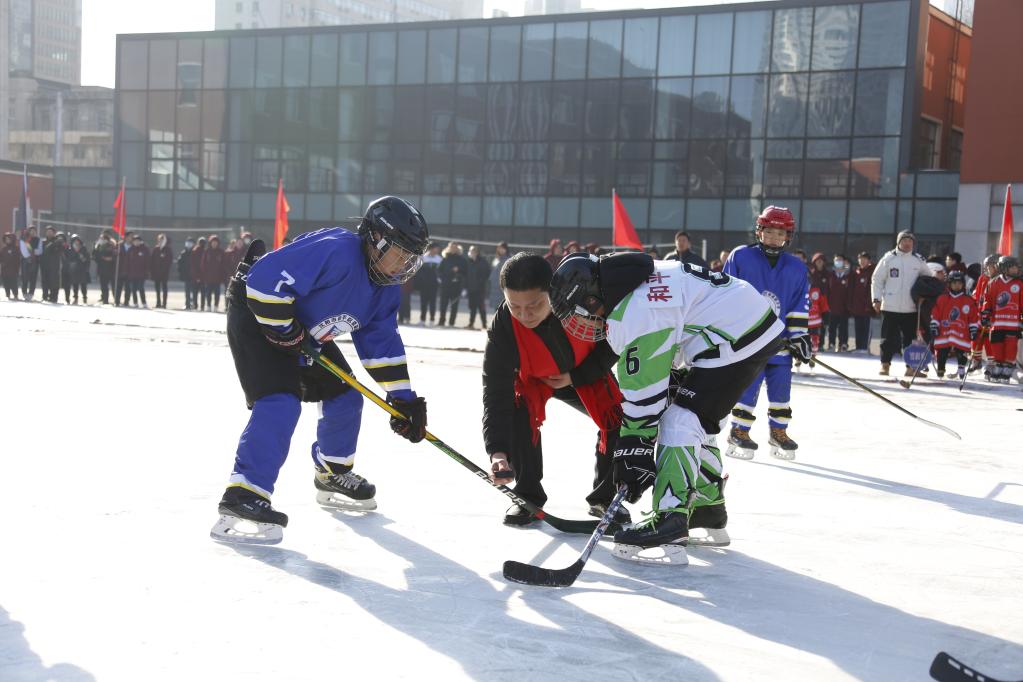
(709,537)
(235,530)
(334,500)
(787,455)
(661,555)
(738,453)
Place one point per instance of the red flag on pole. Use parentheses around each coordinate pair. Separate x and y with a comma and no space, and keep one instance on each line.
(1005,243)
(624,232)
(120,212)
(281,217)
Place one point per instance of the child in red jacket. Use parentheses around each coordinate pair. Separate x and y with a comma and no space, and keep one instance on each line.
(954,323)
(1001,310)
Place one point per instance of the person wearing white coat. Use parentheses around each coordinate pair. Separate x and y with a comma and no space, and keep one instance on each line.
(890,290)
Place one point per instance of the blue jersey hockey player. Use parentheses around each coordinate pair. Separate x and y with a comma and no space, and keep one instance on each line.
(284,309)
(781,278)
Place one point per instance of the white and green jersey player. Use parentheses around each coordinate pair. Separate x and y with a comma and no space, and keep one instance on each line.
(660,317)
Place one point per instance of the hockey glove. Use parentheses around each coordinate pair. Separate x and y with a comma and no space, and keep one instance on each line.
(633,463)
(985,318)
(413,425)
(935,328)
(973,332)
(801,347)
(288,340)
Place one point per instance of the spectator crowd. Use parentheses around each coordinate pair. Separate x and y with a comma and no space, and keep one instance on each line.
(905,289)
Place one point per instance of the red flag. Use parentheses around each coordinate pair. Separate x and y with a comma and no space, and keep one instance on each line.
(624,232)
(120,212)
(281,217)
(1005,243)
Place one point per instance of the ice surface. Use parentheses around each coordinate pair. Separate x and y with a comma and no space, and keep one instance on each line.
(883,543)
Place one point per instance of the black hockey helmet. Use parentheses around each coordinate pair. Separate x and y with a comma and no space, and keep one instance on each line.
(576,298)
(1006,263)
(393,225)
(991,261)
(956,276)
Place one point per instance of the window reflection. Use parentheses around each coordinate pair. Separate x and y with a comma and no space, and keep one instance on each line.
(792,33)
(834,37)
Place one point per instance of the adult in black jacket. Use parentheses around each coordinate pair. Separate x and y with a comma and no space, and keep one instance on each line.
(682,252)
(105,255)
(50,263)
(476,282)
(75,270)
(185,273)
(528,359)
(452,270)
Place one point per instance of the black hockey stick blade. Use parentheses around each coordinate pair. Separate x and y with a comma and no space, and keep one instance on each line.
(528,574)
(945,668)
(563,577)
(564,525)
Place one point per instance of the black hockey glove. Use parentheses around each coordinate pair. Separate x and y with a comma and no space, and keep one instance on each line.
(414,427)
(973,332)
(236,287)
(801,347)
(935,328)
(289,340)
(633,463)
(985,318)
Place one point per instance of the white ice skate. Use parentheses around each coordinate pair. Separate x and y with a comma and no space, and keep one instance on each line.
(234,529)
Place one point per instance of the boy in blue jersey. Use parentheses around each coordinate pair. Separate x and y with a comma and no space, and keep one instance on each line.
(284,309)
(781,278)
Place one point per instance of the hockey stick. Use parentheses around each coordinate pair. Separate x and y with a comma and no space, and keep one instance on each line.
(944,668)
(878,395)
(974,354)
(563,577)
(564,525)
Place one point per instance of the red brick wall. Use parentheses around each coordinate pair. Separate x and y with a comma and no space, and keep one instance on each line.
(937,73)
(993,137)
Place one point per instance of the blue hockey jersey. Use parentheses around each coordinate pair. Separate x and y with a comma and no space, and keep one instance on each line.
(320,280)
(785,285)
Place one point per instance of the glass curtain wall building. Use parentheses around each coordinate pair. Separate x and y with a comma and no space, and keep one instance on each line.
(518,129)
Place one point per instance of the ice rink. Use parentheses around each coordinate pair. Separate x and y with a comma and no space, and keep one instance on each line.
(883,543)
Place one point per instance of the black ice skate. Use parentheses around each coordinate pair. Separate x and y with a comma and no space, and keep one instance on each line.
(711,519)
(782,447)
(622,516)
(247,517)
(344,490)
(661,539)
(739,444)
(518,515)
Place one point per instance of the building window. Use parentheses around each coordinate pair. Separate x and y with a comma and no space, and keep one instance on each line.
(955,149)
(929,150)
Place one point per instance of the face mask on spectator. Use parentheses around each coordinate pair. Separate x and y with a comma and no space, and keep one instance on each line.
(839,264)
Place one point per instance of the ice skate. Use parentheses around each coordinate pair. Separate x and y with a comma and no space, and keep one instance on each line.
(711,520)
(661,539)
(782,447)
(739,444)
(246,517)
(346,490)
(622,516)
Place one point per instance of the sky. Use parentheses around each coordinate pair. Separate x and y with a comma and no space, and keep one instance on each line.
(102,20)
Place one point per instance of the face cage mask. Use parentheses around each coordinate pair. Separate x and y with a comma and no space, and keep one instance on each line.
(585,326)
(410,264)
(772,250)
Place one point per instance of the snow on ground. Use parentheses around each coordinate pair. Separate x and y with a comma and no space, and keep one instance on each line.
(883,543)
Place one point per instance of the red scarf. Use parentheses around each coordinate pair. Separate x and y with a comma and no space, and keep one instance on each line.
(602,399)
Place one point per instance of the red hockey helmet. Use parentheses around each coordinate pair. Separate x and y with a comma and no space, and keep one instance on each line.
(775,217)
